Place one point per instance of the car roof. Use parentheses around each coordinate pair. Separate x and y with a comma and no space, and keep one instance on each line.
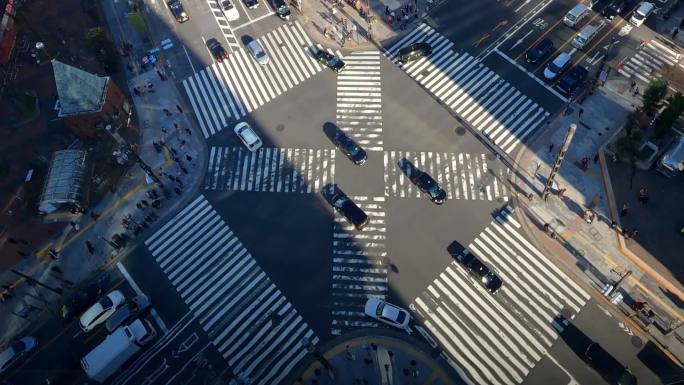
(255,46)
(646,7)
(562,58)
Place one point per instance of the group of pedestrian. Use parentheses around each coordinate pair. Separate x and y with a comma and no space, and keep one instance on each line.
(403,16)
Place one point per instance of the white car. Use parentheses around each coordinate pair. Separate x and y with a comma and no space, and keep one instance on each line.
(102,310)
(557,66)
(15,351)
(257,51)
(642,13)
(229,10)
(247,135)
(387,313)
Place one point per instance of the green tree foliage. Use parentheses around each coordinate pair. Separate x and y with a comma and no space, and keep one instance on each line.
(654,94)
(627,145)
(669,116)
(98,41)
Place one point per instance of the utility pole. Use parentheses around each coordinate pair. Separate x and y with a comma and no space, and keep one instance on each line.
(559,160)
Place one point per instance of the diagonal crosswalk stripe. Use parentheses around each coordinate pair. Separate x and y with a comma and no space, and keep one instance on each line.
(471,90)
(360,268)
(251,323)
(225,92)
(647,63)
(498,338)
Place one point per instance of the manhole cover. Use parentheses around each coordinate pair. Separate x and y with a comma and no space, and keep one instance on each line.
(566,313)
(425,73)
(637,342)
(460,131)
(500,199)
(491,157)
(280,127)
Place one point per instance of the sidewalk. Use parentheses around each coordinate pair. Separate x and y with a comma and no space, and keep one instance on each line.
(88,245)
(386,358)
(593,251)
(322,16)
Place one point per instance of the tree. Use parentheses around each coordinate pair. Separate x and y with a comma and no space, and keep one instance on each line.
(655,92)
(627,145)
(98,41)
(669,115)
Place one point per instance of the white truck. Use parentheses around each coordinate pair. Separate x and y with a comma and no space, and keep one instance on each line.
(116,349)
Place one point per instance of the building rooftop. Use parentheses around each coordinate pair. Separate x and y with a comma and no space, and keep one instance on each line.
(78,91)
(65,181)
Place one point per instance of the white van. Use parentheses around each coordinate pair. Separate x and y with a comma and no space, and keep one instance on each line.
(585,36)
(642,13)
(576,15)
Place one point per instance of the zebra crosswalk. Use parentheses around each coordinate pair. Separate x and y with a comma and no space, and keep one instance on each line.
(359,104)
(499,338)
(224,26)
(269,169)
(250,322)
(227,91)
(462,176)
(645,65)
(360,267)
(477,94)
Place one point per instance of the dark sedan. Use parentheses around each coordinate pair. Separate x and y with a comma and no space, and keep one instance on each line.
(327,59)
(615,8)
(217,50)
(349,147)
(428,186)
(414,51)
(251,3)
(572,80)
(540,51)
(491,282)
(345,206)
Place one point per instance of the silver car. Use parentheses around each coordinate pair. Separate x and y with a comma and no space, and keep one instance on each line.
(15,351)
(257,51)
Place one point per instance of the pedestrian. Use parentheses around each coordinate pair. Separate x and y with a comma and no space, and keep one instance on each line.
(177,190)
(625,209)
(596,158)
(643,195)
(613,224)
(136,91)
(161,75)
(149,85)
(90,247)
(94,215)
(178,107)
(174,151)
(164,130)
(627,234)
(167,112)
(550,147)
(387,10)
(561,192)
(374,346)
(185,170)
(635,232)
(188,157)
(144,203)
(636,91)
(187,130)
(139,206)
(367,361)
(350,355)
(182,142)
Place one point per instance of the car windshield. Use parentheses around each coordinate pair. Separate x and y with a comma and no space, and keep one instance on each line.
(401,317)
(333,61)
(638,16)
(380,308)
(106,303)
(227,5)
(18,346)
(260,54)
(553,67)
(339,202)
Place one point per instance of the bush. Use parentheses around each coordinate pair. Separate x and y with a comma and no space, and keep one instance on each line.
(668,117)
(97,40)
(655,92)
(627,145)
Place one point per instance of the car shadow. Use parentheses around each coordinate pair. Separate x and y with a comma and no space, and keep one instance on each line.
(455,249)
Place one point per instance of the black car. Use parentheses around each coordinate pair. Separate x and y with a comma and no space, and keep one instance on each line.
(572,80)
(414,51)
(476,268)
(251,3)
(282,10)
(615,8)
(349,147)
(217,50)
(540,51)
(598,5)
(177,11)
(327,59)
(345,206)
(428,186)
(609,368)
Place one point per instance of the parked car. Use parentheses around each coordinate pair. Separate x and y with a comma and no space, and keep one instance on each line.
(350,148)
(251,4)
(414,51)
(615,8)
(257,51)
(540,51)
(607,366)
(572,80)
(345,206)
(128,312)
(15,351)
(229,10)
(247,135)
(557,66)
(100,311)
(282,10)
(642,13)
(177,10)
(428,186)
(387,313)
(598,5)
(80,301)
(217,51)
(490,281)
(327,59)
